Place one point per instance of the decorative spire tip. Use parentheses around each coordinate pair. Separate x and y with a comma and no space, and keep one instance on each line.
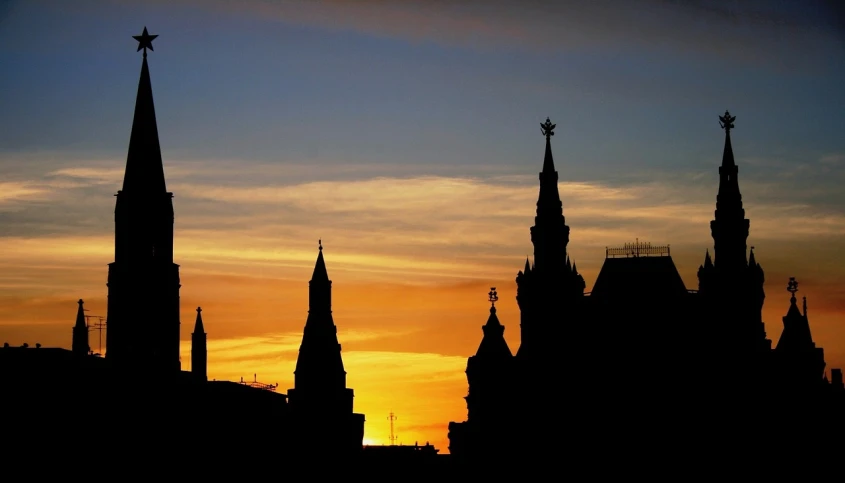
(320,244)
(792,286)
(145,41)
(726,122)
(199,309)
(493,296)
(548,128)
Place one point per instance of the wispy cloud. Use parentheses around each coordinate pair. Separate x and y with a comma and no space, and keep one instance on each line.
(751,32)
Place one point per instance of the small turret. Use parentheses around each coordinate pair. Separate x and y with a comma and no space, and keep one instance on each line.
(199,349)
(80,345)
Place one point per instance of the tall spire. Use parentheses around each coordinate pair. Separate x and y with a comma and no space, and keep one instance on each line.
(198,327)
(319,364)
(199,350)
(730,227)
(549,199)
(80,332)
(320,273)
(144,167)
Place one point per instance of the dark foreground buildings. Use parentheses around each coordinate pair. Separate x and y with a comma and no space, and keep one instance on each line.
(639,374)
(642,368)
(137,404)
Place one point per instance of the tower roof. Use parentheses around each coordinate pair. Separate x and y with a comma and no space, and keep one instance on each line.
(549,199)
(493,344)
(80,314)
(144,167)
(198,327)
(320,272)
(796,335)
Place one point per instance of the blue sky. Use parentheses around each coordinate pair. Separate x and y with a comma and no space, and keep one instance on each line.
(236,84)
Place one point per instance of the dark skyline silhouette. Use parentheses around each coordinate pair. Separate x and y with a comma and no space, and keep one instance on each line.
(631,316)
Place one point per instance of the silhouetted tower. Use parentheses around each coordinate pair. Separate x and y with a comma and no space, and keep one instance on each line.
(548,291)
(143,283)
(319,376)
(488,370)
(730,227)
(801,362)
(80,332)
(199,350)
(732,285)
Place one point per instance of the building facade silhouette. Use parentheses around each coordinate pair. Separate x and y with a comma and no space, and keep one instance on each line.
(641,354)
(138,391)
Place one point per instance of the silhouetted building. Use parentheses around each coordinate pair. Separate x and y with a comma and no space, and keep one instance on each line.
(80,345)
(143,273)
(320,401)
(199,349)
(140,402)
(642,355)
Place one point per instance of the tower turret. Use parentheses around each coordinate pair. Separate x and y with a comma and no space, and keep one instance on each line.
(143,273)
(319,366)
(730,227)
(800,361)
(80,332)
(199,349)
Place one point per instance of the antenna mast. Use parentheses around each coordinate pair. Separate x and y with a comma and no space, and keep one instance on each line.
(99,326)
(392,418)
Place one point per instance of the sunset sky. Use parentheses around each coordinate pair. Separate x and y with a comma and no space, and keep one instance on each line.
(406,135)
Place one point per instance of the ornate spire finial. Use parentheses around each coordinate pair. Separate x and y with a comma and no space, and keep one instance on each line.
(726,122)
(548,128)
(145,41)
(80,302)
(493,296)
(320,244)
(792,286)
(199,309)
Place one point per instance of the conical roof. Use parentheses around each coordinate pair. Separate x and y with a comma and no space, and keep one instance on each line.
(144,167)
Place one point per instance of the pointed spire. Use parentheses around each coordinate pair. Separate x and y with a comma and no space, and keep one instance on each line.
(80,315)
(493,344)
(796,333)
(568,264)
(198,327)
(549,199)
(320,272)
(527,265)
(727,123)
(144,167)
(752,261)
(708,262)
(574,268)
(548,131)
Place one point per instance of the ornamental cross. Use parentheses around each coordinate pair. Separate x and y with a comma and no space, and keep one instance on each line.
(792,286)
(145,41)
(548,128)
(726,122)
(199,309)
(493,296)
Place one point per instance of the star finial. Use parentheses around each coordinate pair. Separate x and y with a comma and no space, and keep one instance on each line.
(145,41)
(726,122)
(548,128)
(320,244)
